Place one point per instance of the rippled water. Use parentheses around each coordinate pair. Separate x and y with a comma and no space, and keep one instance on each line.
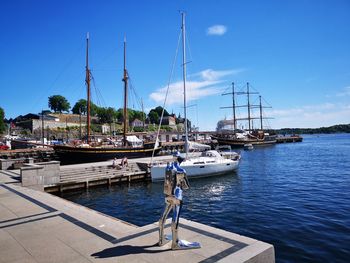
(294,196)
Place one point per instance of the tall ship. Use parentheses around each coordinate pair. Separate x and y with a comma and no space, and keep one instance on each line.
(236,137)
(91,151)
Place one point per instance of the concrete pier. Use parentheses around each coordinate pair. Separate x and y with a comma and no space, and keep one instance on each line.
(38,227)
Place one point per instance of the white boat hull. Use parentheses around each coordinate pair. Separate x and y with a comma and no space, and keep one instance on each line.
(197,168)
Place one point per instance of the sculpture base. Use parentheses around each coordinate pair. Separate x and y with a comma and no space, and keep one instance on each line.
(184,244)
(181,244)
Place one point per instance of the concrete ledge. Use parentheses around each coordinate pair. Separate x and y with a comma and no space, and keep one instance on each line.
(38,175)
(6,164)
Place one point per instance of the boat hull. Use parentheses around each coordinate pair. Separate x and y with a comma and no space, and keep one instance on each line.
(234,143)
(70,155)
(197,170)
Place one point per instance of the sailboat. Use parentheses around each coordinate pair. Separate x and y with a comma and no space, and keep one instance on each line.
(90,152)
(210,163)
(241,138)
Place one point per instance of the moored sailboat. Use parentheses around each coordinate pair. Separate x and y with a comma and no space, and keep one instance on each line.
(91,151)
(210,163)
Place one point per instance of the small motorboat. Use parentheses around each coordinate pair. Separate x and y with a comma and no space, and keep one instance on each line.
(248,147)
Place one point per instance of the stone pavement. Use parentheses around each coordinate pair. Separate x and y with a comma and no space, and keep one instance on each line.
(39,227)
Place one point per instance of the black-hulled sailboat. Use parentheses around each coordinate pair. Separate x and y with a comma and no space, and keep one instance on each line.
(91,152)
(240,138)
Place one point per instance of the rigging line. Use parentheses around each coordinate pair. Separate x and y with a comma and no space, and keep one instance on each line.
(261,96)
(99,97)
(167,91)
(70,61)
(228,88)
(188,45)
(266,102)
(106,56)
(132,88)
(252,87)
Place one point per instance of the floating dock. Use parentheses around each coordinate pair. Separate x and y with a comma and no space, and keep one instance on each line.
(289,139)
(38,227)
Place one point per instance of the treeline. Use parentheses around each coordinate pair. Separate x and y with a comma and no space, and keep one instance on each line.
(59,104)
(2,120)
(340,128)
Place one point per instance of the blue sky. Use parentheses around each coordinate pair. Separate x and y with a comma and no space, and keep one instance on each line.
(295,53)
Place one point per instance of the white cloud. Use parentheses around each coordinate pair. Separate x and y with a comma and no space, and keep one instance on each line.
(209,74)
(217,30)
(311,116)
(344,93)
(204,83)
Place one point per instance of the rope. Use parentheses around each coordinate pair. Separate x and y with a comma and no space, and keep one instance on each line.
(51,88)
(166,94)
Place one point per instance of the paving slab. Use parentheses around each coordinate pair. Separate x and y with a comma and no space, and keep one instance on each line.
(38,227)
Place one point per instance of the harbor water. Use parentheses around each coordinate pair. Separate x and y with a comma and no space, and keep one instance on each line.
(294,196)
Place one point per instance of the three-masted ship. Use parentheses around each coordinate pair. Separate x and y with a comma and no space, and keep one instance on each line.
(238,137)
(91,151)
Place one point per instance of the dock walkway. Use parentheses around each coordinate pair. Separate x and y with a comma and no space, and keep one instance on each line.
(85,177)
(38,227)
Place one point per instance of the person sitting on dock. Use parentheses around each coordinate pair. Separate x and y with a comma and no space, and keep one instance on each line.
(114,164)
(124,162)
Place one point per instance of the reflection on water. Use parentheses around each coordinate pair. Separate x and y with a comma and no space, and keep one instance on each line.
(295,196)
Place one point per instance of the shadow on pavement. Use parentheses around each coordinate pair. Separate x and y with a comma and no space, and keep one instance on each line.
(126,250)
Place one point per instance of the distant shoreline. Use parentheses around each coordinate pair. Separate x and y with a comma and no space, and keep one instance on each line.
(340,128)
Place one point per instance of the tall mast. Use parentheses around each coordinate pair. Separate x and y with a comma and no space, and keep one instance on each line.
(234,107)
(125,112)
(248,106)
(87,80)
(42,127)
(233,104)
(260,107)
(184,78)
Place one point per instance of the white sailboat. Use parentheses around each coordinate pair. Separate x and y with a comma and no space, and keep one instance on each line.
(210,163)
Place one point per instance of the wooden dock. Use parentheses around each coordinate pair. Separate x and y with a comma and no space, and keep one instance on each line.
(289,139)
(89,176)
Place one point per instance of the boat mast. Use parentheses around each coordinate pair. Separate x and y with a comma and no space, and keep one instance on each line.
(260,107)
(125,112)
(184,78)
(87,80)
(248,106)
(234,107)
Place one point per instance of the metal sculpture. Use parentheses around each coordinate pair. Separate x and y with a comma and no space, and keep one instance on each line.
(175,182)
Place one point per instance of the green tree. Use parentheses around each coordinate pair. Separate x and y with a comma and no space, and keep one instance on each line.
(80,107)
(107,115)
(2,120)
(119,115)
(159,110)
(132,114)
(153,117)
(154,114)
(139,115)
(58,103)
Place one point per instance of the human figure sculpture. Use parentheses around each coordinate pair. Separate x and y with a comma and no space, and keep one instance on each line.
(175,182)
